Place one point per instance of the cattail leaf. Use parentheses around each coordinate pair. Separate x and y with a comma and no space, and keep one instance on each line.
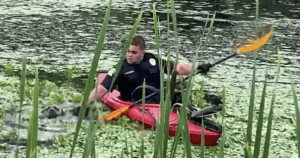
(91,75)
(251,106)
(142,151)
(260,120)
(202,139)
(22,93)
(211,26)
(270,118)
(33,122)
(297,116)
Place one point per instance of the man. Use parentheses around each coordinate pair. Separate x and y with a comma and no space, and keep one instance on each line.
(138,66)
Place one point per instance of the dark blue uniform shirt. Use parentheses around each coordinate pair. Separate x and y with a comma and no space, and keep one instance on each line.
(132,75)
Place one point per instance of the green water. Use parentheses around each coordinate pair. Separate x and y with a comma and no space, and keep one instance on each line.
(57,36)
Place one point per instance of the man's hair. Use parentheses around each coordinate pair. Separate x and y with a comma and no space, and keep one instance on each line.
(138,41)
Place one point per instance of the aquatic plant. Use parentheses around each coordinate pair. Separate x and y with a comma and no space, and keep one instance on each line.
(3,84)
(71,72)
(88,89)
(33,122)
(56,98)
(1,113)
(297,112)
(1,116)
(29,87)
(22,96)
(9,69)
(62,141)
(198,95)
(76,97)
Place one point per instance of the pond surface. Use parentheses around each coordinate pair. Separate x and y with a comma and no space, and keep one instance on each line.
(58,35)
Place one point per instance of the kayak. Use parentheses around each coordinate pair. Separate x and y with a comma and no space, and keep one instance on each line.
(152,115)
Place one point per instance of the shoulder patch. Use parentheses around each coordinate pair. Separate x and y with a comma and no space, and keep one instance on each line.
(111,72)
(152,61)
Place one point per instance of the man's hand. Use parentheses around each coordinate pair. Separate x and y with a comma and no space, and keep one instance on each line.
(204,68)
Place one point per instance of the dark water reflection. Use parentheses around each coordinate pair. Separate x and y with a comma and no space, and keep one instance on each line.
(57,35)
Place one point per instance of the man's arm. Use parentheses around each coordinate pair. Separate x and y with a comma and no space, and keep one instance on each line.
(104,85)
(100,92)
(185,69)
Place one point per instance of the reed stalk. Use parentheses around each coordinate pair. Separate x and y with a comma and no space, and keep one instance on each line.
(221,155)
(260,121)
(270,118)
(251,106)
(22,93)
(33,122)
(297,116)
(91,75)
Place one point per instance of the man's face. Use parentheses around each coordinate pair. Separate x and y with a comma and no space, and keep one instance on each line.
(134,54)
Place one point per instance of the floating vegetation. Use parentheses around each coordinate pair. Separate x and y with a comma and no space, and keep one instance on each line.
(198,95)
(2,83)
(9,69)
(76,98)
(71,72)
(56,98)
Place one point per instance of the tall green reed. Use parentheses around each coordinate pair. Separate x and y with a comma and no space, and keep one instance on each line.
(160,148)
(251,106)
(203,125)
(297,116)
(94,65)
(260,120)
(159,134)
(22,93)
(270,117)
(142,151)
(222,143)
(91,75)
(33,122)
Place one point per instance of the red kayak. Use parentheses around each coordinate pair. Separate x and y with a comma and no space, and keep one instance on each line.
(114,102)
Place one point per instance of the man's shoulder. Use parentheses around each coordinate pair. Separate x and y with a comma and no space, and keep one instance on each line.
(150,59)
(150,55)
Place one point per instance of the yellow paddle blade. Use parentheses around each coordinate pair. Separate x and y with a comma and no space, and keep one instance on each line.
(115,114)
(254,45)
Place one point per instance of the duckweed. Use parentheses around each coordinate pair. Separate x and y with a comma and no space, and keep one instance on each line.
(9,69)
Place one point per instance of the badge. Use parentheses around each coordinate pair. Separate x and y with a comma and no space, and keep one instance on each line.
(111,72)
(152,62)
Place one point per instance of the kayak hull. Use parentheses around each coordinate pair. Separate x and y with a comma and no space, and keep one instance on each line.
(152,115)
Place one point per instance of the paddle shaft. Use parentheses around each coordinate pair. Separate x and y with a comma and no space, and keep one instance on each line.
(215,63)
(221,60)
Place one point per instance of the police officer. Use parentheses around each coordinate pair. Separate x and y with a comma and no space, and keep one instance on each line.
(138,66)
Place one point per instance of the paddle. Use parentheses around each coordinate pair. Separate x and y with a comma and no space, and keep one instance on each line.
(246,46)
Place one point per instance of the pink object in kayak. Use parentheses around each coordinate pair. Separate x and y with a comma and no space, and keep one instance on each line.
(152,115)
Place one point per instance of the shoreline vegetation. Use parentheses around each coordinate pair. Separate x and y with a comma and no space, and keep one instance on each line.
(161,144)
